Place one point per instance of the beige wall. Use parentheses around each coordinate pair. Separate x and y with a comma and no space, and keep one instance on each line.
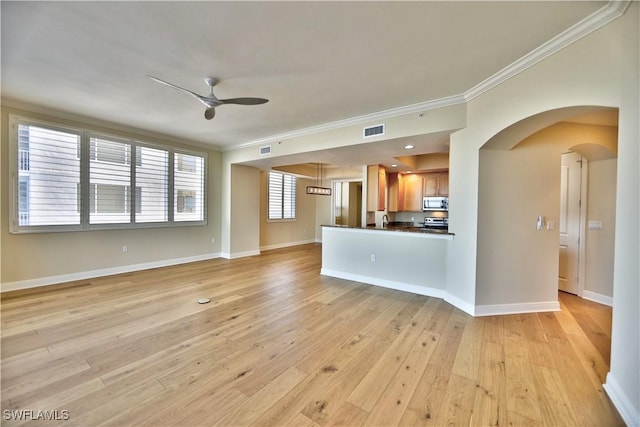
(516,186)
(324,211)
(600,244)
(274,234)
(516,262)
(244,227)
(45,258)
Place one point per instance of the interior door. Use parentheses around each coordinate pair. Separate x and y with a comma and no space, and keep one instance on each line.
(570,190)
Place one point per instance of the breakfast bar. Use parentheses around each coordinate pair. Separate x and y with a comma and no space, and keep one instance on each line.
(407,259)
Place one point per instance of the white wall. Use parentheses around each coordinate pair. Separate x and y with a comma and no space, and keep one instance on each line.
(407,261)
(623,381)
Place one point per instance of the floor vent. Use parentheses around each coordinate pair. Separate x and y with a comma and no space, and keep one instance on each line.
(265,150)
(373,131)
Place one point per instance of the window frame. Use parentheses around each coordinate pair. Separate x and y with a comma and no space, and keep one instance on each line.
(282,195)
(85,135)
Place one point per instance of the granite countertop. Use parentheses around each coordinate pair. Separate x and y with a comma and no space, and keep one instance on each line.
(401,228)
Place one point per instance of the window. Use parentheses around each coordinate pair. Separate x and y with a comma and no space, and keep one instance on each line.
(152,185)
(189,187)
(282,196)
(109,181)
(72,179)
(48,176)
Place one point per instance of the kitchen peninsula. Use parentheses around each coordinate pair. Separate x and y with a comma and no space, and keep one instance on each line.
(408,259)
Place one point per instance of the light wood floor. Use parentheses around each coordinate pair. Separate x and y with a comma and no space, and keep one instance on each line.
(281,345)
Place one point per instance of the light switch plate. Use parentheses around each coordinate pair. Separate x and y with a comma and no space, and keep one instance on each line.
(595,225)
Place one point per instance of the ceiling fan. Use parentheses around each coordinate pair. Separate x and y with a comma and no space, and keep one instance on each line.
(210,101)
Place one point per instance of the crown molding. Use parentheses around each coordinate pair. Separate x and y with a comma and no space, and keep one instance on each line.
(48,113)
(359,120)
(598,19)
(612,10)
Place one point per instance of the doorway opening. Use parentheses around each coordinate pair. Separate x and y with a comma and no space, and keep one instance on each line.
(347,203)
(573,203)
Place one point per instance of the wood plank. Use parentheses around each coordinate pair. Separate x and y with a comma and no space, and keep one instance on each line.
(522,395)
(391,406)
(249,410)
(554,402)
(467,357)
(457,403)
(426,403)
(489,404)
(347,415)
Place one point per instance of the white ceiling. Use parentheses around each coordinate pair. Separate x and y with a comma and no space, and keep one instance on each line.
(317,62)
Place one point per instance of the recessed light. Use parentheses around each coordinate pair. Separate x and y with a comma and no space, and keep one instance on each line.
(409,147)
(394,166)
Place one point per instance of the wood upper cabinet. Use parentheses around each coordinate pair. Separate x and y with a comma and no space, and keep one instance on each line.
(436,184)
(395,198)
(412,193)
(382,188)
(376,188)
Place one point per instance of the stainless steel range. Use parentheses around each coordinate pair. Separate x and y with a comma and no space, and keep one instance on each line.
(436,222)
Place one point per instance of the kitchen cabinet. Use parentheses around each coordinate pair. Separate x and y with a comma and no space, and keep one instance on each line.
(395,198)
(413,193)
(436,184)
(376,188)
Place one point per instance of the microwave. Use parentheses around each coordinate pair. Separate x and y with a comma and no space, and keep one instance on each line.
(435,203)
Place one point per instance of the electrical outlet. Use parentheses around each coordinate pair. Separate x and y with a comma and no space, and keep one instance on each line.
(125,249)
(373,258)
(213,240)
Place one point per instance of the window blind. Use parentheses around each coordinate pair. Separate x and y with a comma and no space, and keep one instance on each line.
(109,182)
(282,196)
(188,198)
(48,176)
(152,185)
(72,179)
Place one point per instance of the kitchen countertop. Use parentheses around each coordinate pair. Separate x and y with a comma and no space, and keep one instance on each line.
(400,228)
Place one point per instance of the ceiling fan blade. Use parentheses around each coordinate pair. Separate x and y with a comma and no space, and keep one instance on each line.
(209,113)
(200,98)
(244,101)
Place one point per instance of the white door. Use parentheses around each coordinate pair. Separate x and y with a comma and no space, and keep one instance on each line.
(570,190)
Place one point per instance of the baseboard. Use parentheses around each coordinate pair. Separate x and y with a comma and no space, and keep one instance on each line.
(406,287)
(629,415)
(287,244)
(599,298)
(390,284)
(236,255)
(528,307)
(461,304)
(84,275)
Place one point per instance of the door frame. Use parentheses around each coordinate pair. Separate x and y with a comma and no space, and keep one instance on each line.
(582,264)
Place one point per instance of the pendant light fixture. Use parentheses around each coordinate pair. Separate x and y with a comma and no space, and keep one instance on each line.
(318,189)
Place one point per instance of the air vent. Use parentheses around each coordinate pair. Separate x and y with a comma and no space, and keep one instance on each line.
(265,150)
(373,131)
